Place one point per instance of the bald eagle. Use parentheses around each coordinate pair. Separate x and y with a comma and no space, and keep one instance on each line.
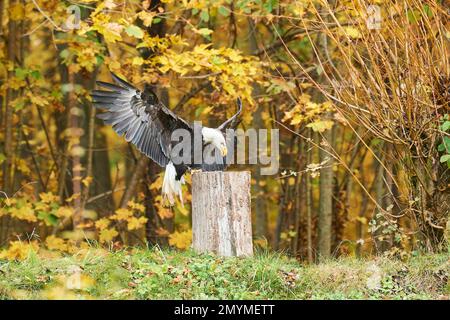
(148,124)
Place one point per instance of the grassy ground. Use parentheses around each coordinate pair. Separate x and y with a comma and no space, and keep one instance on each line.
(156,274)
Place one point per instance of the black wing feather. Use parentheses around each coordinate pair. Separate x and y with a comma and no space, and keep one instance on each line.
(147,125)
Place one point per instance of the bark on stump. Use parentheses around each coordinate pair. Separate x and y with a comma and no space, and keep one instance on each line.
(221,214)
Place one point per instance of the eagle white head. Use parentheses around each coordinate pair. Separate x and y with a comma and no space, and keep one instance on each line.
(216,138)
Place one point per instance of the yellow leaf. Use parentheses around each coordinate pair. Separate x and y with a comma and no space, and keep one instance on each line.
(306,85)
(54,243)
(363,220)
(23,166)
(146,17)
(17,11)
(73,197)
(287,115)
(320,125)
(19,250)
(24,213)
(137,61)
(87,181)
(136,206)
(352,32)
(327,105)
(136,223)
(38,100)
(122,214)
(181,240)
(64,212)
(165,213)
(297,119)
(107,235)
(102,223)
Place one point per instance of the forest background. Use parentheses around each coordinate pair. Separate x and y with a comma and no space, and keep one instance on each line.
(358,89)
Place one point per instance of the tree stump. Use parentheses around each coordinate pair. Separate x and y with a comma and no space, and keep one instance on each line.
(221,214)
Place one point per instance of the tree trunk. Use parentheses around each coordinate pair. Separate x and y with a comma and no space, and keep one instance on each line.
(2,6)
(309,208)
(379,236)
(261,221)
(74,123)
(132,185)
(221,215)
(62,122)
(326,198)
(102,178)
(89,142)
(8,119)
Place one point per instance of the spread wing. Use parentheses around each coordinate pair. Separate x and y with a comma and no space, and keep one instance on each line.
(144,121)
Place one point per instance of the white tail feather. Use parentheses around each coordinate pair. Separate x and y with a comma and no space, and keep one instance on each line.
(171,188)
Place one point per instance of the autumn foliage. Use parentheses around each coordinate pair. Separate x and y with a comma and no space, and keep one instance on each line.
(363,113)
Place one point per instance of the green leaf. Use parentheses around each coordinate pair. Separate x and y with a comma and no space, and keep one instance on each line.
(269,5)
(19,105)
(413,16)
(134,31)
(2,158)
(205,31)
(447,143)
(21,73)
(100,59)
(204,15)
(376,142)
(224,11)
(199,111)
(445,126)
(156,20)
(35,74)
(445,158)
(319,69)
(427,10)
(216,60)
(48,218)
(64,54)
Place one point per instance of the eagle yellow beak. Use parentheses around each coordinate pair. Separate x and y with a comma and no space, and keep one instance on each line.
(224,151)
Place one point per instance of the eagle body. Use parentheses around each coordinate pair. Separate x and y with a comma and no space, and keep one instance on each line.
(144,121)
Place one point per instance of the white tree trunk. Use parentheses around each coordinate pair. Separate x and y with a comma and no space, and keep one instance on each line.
(221,214)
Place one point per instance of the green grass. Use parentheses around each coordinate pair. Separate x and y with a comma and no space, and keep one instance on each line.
(156,274)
